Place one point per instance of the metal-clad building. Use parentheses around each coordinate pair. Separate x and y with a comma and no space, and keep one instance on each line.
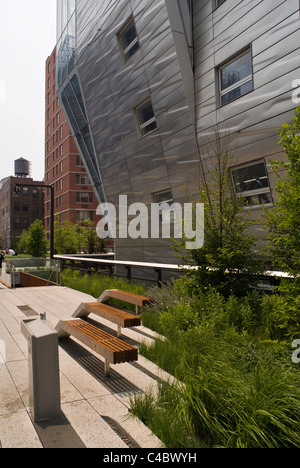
(145,84)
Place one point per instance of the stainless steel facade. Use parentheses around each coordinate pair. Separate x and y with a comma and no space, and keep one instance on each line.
(185,54)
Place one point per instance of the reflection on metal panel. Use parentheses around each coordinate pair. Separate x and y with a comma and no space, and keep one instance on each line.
(182,47)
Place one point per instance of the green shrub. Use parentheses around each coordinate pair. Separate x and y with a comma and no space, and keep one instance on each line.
(96,284)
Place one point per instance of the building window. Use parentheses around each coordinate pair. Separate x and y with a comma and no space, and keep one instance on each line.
(165,200)
(128,39)
(236,78)
(83,216)
(251,184)
(17,223)
(218,3)
(25,222)
(25,190)
(84,197)
(146,118)
(79,162)
(82,179)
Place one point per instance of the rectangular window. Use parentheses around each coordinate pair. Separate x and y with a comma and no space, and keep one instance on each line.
(146,118)
(218,3)
(82,179)
(128,39)
(84,197)
(25,206)
(79,162)
(25,223)
(165,200)
(83,216)
(17,223)
(251,184)
(236,77)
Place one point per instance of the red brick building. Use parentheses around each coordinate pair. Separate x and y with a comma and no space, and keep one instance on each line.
(21,203)
(75,200)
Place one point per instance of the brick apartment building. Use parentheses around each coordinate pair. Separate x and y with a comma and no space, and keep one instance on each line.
(75,200)
(21,202)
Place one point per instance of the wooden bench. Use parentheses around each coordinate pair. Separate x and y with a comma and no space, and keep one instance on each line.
(131,298)
(121,318)
(112,349)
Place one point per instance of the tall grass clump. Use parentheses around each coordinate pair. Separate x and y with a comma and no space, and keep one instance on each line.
(95,284)
(237,386)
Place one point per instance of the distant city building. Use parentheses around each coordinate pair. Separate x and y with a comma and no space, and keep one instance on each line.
(74,199)
(20,203)
(150,88)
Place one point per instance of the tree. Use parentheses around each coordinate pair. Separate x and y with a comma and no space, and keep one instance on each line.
(23,242)
(228,261)
(76,237)
(65,238)
(36,240)
(283,220)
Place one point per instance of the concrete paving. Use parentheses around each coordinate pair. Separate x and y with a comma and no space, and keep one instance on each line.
(95,410)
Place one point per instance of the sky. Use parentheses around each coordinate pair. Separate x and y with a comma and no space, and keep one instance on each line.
(27,38)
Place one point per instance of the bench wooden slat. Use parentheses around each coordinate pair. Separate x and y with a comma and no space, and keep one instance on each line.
(119,317)
(132,298)
(109,347)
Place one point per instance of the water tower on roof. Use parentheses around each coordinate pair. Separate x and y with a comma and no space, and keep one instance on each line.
(22,168)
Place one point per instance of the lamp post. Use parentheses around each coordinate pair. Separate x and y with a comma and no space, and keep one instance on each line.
(51,187)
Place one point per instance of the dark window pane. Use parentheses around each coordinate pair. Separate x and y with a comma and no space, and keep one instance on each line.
(145,112)
(128,35)
(149,128)
(132,50)
(237,92)
(236,71)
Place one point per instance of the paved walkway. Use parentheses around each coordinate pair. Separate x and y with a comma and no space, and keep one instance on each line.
(95,410)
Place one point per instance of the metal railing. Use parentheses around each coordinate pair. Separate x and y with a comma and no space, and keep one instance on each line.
(152,272)
(158,273)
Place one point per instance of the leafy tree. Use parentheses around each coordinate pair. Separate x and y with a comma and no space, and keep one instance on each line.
(91,242)
(76,237)
(65,238)
(284,219)
(23,242)
(283,222)
(36,240)
(228,261)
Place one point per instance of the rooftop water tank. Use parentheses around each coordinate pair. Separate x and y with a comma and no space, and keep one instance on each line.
(22,168)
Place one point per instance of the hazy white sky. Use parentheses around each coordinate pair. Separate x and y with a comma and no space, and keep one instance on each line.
(27,38)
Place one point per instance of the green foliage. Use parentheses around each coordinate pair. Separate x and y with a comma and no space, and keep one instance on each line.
(283,222)
(33,241)
(70,238)
(227,261)
(237,386)
(96,284)
(23,242)
(284,219)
